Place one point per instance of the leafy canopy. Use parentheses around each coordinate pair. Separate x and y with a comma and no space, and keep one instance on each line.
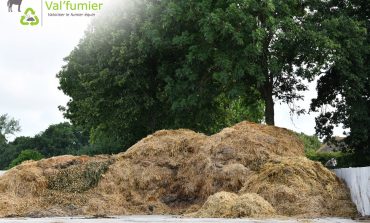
(141,68)
(344,90)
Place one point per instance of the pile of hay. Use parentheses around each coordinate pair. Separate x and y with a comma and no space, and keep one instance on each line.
(296,186)
(50,187)
(259,170)
(228,205)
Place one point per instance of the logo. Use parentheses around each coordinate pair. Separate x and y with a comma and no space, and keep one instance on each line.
(14,2)
(29,18)
(51,8)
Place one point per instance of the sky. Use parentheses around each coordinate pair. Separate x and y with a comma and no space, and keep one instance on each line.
(30,58)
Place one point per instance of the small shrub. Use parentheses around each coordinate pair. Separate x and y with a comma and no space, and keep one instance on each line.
(96,149)
(26,155)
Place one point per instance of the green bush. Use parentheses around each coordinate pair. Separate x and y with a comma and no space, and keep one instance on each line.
(26,155)
(344,160)
(96,149)
(311,143)
(7,154)
(325,156)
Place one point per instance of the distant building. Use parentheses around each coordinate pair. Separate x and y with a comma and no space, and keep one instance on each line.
(336,145)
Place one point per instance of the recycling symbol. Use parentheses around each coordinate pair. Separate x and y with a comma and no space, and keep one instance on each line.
(29,18)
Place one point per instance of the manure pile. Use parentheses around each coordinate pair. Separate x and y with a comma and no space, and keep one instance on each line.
(248,170)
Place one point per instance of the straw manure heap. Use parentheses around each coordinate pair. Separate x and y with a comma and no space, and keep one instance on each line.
(226,205)
(246,170)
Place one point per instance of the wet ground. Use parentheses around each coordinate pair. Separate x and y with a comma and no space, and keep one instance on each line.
(170,219)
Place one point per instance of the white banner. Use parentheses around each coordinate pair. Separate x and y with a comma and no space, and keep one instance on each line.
(358,181)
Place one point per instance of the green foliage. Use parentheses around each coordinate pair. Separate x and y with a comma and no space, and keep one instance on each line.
(207,64)
(326,156)
(60,139)
(26,155)
(311,143)
(56,140)
(24,142)
(95,149)
(346,85)
(7,154)
(344,160)
(137,71)
(150,65)
(235,111)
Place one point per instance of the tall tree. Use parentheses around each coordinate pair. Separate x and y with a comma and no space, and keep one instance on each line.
(345,87)
(133,74)
(258,49)
(151,64)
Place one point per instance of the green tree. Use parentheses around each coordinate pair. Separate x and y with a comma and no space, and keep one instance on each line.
(7,154)
(26,155)
(345,87)
(60,139)
(148,65)
(262,50)
(8,126)
(25,142)
(132,75)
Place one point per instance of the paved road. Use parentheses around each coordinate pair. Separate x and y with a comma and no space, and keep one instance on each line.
(169,219)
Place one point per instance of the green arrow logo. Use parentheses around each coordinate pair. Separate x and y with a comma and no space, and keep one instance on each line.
(29,18)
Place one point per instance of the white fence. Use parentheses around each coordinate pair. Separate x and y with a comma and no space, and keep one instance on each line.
(358,181)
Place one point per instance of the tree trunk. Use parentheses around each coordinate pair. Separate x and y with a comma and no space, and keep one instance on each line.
(268,86)
(269,106)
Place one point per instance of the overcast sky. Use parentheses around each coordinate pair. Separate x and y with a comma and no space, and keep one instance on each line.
(30,57)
